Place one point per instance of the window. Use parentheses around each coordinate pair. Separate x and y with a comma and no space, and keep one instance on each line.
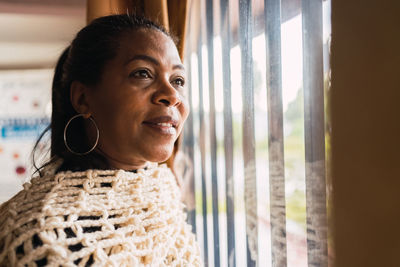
(256,133)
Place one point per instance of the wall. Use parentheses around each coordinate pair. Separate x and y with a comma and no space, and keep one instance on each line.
(366,131)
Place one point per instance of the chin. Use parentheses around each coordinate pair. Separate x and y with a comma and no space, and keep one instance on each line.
(161,155)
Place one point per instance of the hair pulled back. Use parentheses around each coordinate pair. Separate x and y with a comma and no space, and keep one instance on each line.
(84,61)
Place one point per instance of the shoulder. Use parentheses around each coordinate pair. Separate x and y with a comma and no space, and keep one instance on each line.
(20,214)
(30,196)
(61,211)
(47,194)
(34,213)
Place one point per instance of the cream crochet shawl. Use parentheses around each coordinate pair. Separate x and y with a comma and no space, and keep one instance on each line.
(98,218)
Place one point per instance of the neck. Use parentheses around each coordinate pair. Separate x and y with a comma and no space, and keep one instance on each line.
(121,164)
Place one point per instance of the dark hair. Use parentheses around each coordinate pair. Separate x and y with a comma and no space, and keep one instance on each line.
(84,61)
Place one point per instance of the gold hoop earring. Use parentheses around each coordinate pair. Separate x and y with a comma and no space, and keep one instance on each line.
(65,136)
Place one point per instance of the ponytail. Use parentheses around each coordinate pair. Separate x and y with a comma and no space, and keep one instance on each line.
(57,83)
(59,94)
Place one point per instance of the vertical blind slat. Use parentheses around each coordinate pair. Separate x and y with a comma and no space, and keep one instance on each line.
(228,130)
(313,84)
(213,137)
(189,146)
(272,13)
(202,140)
(246,36)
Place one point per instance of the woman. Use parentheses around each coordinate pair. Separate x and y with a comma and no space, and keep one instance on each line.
(103,199)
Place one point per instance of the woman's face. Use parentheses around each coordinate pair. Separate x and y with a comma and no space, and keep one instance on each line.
(139,104)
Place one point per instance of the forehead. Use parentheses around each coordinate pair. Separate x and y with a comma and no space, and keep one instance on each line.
(148,42)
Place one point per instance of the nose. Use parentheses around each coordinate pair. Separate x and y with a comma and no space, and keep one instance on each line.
(166,95)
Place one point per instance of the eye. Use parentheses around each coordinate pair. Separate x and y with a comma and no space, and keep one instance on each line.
(179,81)
(142,74)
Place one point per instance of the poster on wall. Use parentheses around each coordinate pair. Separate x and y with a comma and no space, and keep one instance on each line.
(25,109)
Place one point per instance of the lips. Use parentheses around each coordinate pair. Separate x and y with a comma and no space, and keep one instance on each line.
(163,124)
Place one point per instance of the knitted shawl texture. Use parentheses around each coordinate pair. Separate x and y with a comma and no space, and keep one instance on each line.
(98,218)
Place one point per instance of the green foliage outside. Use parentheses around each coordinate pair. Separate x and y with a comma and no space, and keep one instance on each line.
(293,149)
(294,159)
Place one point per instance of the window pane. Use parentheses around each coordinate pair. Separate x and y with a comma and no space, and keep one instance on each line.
(253,89)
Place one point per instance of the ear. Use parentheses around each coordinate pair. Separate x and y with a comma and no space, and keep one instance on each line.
(79,98)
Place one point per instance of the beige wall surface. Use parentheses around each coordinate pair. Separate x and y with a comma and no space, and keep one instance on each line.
(366,132)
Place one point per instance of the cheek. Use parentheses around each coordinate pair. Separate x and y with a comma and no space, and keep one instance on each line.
(103,105)
(184,109)
(117,119)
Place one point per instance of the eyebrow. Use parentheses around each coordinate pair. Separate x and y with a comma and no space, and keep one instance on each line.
(152,60)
